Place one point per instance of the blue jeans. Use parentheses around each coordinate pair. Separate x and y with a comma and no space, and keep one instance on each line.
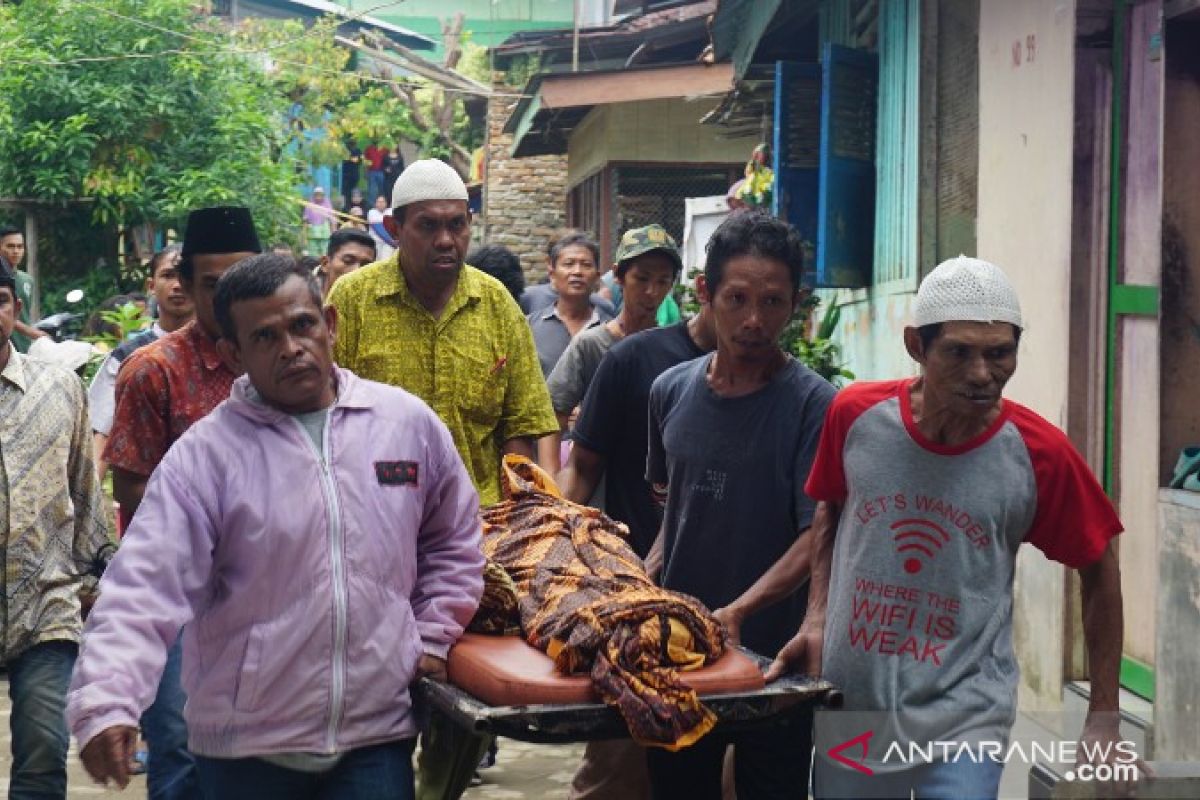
(375,186)
(963,779)
(171,770)
(37,685)
(378,772)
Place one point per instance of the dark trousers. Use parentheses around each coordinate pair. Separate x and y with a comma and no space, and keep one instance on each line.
(449,757)
(37,685)
(171,769)
(769,764)
(378,772)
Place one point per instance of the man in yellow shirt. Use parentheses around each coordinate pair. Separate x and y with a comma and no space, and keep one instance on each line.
(453,336)
(444,331)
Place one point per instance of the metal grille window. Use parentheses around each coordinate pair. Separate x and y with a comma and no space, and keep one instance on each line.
(645,194)
(585,206)
(624,196)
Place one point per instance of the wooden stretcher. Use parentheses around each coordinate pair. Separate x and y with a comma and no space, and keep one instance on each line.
(501,685)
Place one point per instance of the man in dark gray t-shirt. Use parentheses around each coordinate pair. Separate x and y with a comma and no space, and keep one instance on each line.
(732,437)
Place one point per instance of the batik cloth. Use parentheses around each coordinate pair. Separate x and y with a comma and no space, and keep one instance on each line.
(585,600)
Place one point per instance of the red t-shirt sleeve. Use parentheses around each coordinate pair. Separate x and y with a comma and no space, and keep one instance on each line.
(1075,519)
(827,479)
(141,432)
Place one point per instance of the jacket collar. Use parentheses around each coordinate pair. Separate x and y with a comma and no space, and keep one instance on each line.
(351,393)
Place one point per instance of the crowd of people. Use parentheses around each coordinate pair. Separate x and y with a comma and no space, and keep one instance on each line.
(356,210)
(300,452)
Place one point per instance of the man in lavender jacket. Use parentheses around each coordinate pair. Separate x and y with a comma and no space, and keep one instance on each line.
(319,536)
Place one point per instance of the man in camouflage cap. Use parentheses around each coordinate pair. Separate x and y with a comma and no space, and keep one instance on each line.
(647,265)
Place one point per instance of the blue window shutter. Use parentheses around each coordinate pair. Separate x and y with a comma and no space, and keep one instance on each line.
(898,134)
(846,207)
(795,146)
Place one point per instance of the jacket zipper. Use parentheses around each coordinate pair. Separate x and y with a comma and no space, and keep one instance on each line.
(338,568)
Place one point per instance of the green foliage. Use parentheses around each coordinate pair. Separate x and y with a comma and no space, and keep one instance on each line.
(124,321)
(125,112)
(522,69)
(145,136)
(97,285)
(120,322)
(819,352)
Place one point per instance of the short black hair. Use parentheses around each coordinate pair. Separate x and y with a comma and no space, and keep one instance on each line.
(753,232)
(256,277)
(573,239)
(9,230)
(502,264)
(930,332)
(8,278)
(158,258)
(344,236)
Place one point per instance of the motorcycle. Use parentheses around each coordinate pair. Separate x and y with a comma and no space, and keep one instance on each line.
(60,344)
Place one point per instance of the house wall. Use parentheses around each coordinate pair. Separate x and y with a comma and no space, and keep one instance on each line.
(1026,76)
(1138,372)
(870,331)
(524,199)
(490,22)
(651,130)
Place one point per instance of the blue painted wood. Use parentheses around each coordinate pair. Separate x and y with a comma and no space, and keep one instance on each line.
(896,222)
(795,147)
(846,204)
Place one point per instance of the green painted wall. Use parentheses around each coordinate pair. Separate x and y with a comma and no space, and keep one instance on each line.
(490,23)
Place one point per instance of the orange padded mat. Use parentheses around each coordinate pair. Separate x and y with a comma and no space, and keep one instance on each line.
(506,671)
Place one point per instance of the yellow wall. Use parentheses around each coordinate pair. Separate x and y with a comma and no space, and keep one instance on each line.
(650,130)
(1024,225)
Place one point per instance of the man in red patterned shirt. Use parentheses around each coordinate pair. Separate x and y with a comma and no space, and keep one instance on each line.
(162,390)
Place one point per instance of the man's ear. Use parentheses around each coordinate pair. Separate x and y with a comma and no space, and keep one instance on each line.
(331,321)
(149,284)
(914,345)
(231,355)
(390,225)
(702,290)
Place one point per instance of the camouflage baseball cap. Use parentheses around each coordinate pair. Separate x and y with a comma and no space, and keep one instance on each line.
(648,239)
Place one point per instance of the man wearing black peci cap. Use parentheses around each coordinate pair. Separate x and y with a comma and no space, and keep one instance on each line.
(162,390)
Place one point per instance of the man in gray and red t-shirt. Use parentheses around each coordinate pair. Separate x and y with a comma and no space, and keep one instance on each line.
(927,488)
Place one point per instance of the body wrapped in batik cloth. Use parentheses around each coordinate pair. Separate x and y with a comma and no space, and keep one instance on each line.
(584,598)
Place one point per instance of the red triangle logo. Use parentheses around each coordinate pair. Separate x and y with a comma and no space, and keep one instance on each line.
(861,741)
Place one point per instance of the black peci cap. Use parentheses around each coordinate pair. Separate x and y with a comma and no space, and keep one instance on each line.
(224,229)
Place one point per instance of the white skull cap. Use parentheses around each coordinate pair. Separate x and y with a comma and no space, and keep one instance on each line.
(428,179)
(966,289)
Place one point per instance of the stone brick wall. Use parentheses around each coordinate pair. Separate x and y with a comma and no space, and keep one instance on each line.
(524,199)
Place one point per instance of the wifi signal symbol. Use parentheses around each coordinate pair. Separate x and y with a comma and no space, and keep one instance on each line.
(918,536)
